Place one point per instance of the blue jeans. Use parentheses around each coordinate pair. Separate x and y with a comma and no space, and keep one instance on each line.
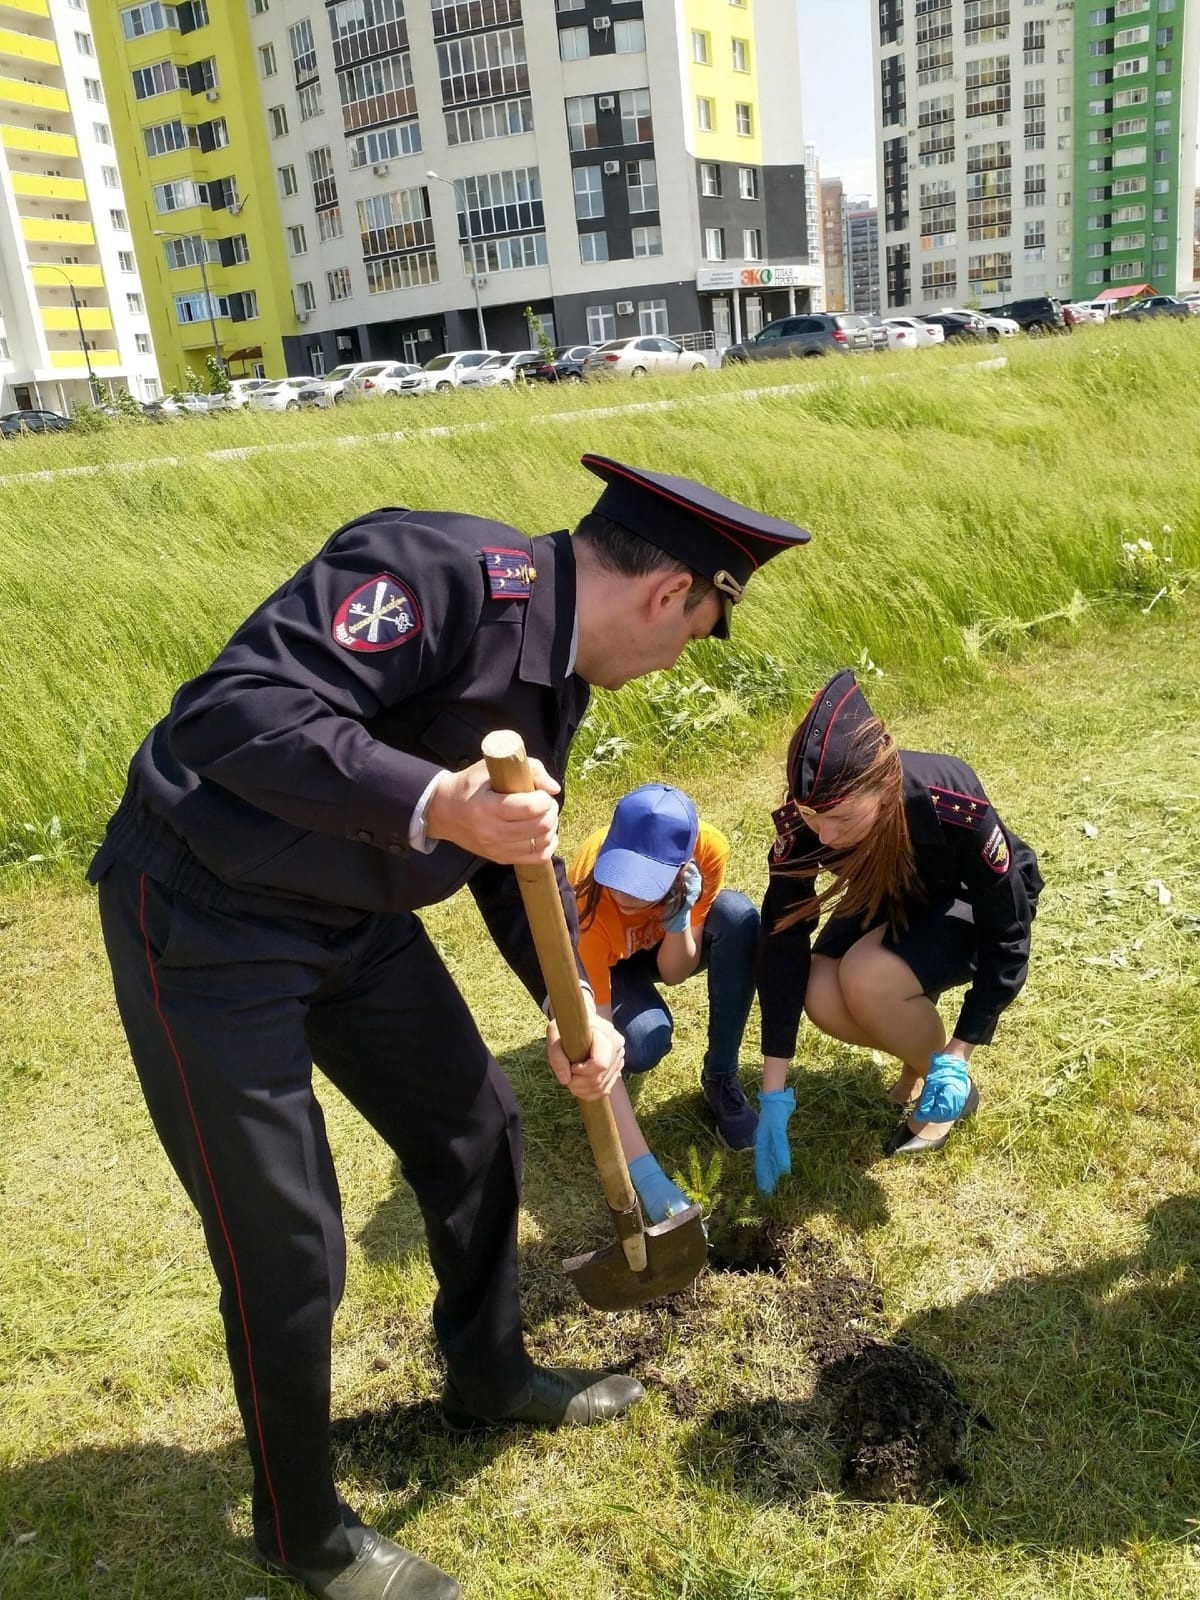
(729,943)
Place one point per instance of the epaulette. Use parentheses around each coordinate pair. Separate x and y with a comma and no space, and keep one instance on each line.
(509,573)
(958,810)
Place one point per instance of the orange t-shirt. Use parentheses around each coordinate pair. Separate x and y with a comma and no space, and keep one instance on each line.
(613,934)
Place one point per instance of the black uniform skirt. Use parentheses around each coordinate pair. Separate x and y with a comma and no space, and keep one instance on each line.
(939,943)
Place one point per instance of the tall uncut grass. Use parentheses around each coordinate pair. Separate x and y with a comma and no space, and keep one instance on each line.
(953,505)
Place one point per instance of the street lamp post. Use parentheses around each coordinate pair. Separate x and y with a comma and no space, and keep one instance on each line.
(450,184)
(161,233)
(93,385)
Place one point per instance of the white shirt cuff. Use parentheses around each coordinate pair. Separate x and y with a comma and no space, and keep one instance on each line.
(548,1009)
(416,826)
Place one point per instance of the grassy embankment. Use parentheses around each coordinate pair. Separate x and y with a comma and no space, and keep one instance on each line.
(1049,1260)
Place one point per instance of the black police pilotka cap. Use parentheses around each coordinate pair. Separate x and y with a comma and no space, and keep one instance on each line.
(829,750)
(719,538)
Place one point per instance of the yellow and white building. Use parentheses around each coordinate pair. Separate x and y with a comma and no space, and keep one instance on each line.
(70,294)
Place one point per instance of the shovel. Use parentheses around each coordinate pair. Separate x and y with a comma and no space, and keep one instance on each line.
(646,1263)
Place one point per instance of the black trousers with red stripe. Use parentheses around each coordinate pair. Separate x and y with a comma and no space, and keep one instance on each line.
(225,1016)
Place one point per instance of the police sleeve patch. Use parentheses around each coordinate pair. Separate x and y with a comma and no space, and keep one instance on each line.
(379,615)
(995,851)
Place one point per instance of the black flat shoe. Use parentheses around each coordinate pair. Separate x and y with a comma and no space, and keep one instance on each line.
(559,1397)
(380,1571)
(904,1142)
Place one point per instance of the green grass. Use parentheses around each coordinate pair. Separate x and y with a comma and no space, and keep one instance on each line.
(1049,1260)
(954,508)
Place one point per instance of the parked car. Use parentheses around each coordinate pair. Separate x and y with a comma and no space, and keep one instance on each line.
(184,405)
(813,333)
(566,362)
(15,422)
(374,379)
(899,336)
(958,324)
(1082,314)
(446,371)
(1099,309)
(503,371)
(1039,314)
(240,390)
(925,333)
(640,355)
(1156,305)
(998,327)
(335,382)
(1192,302)
(287,394)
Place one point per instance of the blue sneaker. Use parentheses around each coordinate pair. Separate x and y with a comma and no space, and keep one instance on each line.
(737,1121)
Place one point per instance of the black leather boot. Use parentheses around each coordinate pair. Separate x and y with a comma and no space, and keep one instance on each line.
(559,1396)
(380,1571)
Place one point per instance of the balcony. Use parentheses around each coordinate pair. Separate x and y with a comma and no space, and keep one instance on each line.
(62,360)
(81,276)
(27,47)
(61,319)
(16,92)
(399,236)
(391,106)
(37,142)
(38,230)
(28,8)
(383,40)
(41,186)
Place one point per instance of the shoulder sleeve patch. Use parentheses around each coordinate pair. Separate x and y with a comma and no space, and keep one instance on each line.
(995,851)
(958,810)
(509,573)
(378,615)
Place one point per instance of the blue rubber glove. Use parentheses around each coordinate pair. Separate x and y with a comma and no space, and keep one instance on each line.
(692,885)
(772,1158)
(947,1086)
(659,1196)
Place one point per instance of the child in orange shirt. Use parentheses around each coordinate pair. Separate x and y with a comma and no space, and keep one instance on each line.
(653,910)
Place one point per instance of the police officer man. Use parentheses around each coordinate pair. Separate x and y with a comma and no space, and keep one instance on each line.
(282,825)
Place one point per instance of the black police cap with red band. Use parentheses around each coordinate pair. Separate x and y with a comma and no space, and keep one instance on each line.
(830,751)
(718,538)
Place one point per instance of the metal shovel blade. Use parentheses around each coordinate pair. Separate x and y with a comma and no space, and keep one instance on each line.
(675,1252)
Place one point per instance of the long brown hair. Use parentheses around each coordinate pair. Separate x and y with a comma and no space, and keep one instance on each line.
(879,873)
(588,893)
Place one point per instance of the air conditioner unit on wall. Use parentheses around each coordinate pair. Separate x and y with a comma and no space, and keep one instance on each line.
(423,335)
(212,94)
(612,166)
(303,316)
(234,208)
(606,102)
(624,308)
(379,168)
(601,23)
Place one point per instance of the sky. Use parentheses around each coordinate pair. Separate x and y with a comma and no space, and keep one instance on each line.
(836,68)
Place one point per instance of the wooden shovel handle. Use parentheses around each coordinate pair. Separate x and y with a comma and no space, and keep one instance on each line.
(509,772)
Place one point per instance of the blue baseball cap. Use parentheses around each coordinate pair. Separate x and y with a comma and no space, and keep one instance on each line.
(653,833)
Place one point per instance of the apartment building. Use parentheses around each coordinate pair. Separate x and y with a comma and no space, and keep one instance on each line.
(862,257)
(346,180)
(1035,147)
(833,243)
(73,315)
(812,210)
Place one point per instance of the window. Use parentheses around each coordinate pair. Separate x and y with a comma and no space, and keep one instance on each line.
(134,305)
(94,91)
(1127,36)
(102,132)
(495,121)
(1127,125)
(338,283)
(636,124)
(110,177)
(83,43)
(743,116)
(383,144)
(266,61)
(189,250)
(287,181)
(601,323)
(141,343)
(277,116)
(179,195)
(741,55)
(589,192)
(706,113)
(714,244)
(125,261)
(582,133)
(482,66)
(574,43)
(701,48)
(593,247)
(748,183)
(652,317)
(641,178)
(307,296)
(161,78)
(752,244)
(164,137)
(329,225)
(629,36)
(140,20)
(308,100)
(646,241)
(297,242)
(1131,67)
(304,50)
(506,255)
(710,179)
(119,221)
(261,7)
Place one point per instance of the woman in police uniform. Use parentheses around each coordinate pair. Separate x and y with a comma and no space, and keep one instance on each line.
(928,890)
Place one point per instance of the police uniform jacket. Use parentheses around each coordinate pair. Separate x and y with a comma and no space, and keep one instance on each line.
(962,851)
(283,780)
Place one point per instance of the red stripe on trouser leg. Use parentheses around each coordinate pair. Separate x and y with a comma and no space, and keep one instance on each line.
(212,1187)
